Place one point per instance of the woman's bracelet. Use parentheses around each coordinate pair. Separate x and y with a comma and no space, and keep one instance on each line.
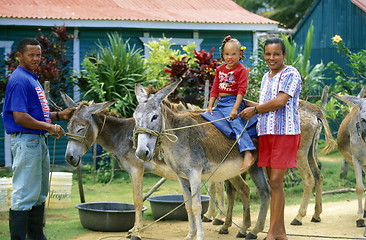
(57,116)
(255,110)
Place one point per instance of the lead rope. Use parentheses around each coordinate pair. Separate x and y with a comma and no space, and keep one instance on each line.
(164,132)
(51,171)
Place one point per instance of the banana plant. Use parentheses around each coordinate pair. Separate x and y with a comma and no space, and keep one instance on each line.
(299,57)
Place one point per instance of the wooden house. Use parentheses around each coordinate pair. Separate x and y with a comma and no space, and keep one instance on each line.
(205,22)
(346,18)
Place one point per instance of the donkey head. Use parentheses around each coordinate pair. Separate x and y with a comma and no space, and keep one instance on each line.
(149,119)
(82,130)
(360,115)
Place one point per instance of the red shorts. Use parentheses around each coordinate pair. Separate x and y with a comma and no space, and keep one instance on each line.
(278,151)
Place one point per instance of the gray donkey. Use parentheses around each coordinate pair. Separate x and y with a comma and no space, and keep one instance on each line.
(197,153)
(92,123)
(352,144)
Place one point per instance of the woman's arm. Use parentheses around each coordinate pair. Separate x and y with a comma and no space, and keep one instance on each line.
(272,105)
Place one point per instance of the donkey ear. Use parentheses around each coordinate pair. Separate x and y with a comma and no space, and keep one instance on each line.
(140,93)
(68,100)
(350,100)
(164,92)
(98,107)
(362,93)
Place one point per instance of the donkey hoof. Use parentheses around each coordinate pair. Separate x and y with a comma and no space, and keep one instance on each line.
(206,219)
(135,238)
(241,235)
(296,222)
(313,219)
(360,223)
(251,236)
(224,231)
(218,222)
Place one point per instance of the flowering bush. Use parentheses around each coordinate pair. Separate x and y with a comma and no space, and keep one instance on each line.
(196,71)
(345,83)
(162,54)
(348,83)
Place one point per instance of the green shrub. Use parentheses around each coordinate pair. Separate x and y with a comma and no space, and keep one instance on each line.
(112,73)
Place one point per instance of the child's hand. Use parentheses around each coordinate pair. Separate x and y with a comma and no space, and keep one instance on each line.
(209,109)
(233,114)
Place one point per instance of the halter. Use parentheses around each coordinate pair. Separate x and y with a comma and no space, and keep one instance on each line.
(361,133)
(82,139)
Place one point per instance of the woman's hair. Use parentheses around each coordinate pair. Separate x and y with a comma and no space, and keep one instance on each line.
(275,40)
(27,41)
(228,39)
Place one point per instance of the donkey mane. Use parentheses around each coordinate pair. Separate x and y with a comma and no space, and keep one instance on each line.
(202,133)
(106,111)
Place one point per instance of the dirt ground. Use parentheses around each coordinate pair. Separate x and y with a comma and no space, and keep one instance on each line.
(338,222)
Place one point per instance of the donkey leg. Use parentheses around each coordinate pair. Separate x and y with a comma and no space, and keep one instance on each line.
(220,194)
(318,177)
(195,183)
(359,191)
(137,184)
(243,190)
(319,180)
(262,186)
(187,195)
(364,206)
(308,182)
(230,192)
(208,216)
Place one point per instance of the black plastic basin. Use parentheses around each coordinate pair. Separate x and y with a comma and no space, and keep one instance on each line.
(162,204)
(107,216)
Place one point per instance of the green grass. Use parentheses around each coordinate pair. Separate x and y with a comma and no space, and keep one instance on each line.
(65,224)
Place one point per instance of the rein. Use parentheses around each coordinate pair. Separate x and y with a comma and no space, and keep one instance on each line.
(82,139)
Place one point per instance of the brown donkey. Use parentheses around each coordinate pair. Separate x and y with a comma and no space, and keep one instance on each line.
(352,145)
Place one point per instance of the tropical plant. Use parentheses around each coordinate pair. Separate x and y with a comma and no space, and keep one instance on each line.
(111,74)
(299,57)
(54,65)
(161,55)
(345,83)
(256,72)
(348,83)
(335,111)
(196,72)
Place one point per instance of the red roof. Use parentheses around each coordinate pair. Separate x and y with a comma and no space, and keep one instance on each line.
(361,4)
(193,11)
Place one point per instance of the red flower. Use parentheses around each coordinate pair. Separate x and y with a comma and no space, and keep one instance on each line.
(227,37)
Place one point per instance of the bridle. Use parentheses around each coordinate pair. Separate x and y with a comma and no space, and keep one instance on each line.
(83,139)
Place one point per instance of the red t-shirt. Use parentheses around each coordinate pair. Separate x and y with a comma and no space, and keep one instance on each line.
(233,81)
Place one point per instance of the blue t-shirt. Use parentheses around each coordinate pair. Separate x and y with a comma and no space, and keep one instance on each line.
(24,93)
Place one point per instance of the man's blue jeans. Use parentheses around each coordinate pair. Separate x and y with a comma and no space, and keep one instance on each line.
(31,167)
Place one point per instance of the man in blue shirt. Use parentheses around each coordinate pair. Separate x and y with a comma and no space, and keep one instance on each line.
(27,118)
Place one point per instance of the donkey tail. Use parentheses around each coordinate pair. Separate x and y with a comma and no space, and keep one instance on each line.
(329,140)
